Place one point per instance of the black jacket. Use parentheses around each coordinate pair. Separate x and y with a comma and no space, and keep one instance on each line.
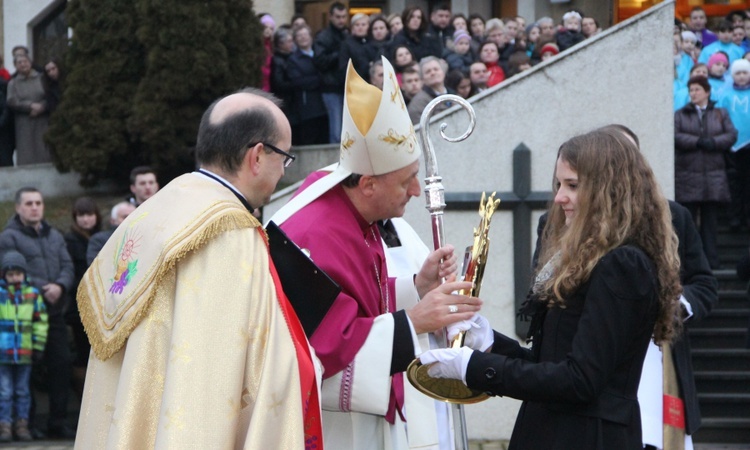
(566,39)
(443,35)
(424,45)
(700,289)
(281,86)
(579,381)
(7,128)
(306,81)
(361,53)
(327,46)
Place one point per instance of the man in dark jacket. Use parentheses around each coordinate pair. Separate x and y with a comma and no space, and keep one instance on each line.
(440,25)
(326,58)
(50,269)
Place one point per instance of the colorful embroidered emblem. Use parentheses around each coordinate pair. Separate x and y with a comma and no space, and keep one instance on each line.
(398,140)
(126,266)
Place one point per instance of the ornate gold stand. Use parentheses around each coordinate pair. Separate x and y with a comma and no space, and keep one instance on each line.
(444,389)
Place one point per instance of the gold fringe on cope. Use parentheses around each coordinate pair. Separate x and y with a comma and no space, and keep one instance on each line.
(105,347)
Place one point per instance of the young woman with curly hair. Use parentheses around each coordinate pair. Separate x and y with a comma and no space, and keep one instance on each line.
(608,281)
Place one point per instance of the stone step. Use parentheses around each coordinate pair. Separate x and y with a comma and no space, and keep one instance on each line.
(732,360)
(722,382)
(729,256)
(727,278)
(725,405)
(727,273)
(724,430)
(717,337)
(732,298)
(725,318)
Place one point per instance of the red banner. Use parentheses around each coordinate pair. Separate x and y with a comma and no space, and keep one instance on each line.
(674,412)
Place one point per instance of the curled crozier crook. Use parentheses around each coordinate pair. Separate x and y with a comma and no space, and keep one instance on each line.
(434,191)
(424,136)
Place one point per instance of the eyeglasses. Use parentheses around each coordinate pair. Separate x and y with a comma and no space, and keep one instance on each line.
(288,157)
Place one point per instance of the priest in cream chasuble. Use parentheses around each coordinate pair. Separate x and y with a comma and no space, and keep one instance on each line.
(194,344)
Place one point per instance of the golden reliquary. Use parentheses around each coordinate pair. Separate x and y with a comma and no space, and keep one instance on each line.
(449,390)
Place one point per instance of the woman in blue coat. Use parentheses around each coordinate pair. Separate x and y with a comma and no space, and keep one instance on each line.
(608,283)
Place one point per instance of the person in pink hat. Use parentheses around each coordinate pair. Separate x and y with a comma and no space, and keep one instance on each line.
(460,57)
(718,64)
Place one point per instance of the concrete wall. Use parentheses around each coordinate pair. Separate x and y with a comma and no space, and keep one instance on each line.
(281,11)
(47,179)
(17,15)
(612,78)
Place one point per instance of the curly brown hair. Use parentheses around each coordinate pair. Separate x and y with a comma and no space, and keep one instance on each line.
(619,202)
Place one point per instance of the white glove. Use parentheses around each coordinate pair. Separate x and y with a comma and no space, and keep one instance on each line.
(448,362)
(479,334)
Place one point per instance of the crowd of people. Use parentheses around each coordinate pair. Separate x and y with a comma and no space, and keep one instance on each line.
(712,122)
(432,54)
(27,98)
(590,254)
(40,269)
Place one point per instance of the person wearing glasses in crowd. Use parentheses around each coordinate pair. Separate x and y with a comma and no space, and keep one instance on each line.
(195,344)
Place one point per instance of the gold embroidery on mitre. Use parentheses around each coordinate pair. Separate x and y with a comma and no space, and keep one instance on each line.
(398,140)
(396,92)
(346,143)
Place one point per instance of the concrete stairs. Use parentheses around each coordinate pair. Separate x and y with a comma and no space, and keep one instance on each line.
(721,360)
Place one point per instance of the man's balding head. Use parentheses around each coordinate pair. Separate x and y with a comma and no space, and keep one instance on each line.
(234,122)
(119,212)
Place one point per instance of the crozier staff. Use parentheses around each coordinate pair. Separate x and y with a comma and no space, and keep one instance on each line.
(608,279)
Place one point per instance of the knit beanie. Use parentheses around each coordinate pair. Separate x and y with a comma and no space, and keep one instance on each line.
(267,20)
(549,48)
(12,260)
(461,34)
(688,35)
(715,58)
(740,65)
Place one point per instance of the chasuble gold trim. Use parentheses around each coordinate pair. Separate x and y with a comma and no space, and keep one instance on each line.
(110,312)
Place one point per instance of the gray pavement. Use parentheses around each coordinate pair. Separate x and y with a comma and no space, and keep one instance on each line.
(38,445)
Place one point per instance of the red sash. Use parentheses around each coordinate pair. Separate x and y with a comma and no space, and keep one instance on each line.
(308,383)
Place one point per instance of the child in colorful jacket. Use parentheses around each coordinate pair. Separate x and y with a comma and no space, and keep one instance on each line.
(23,333)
